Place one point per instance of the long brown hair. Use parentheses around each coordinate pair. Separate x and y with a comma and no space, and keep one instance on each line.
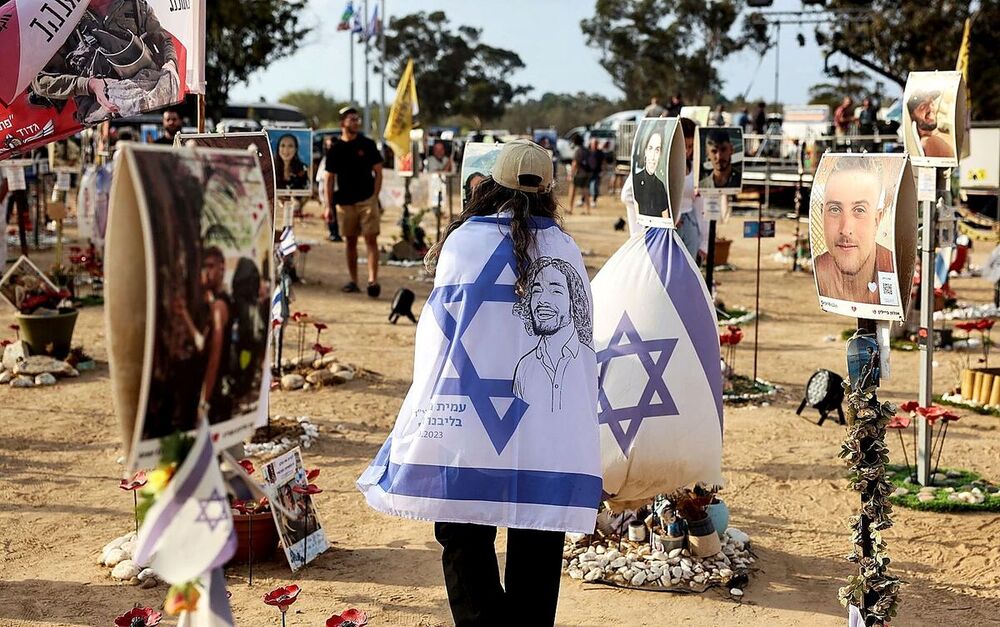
(490,197)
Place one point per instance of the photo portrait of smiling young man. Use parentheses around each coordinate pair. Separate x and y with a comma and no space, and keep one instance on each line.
(853,209)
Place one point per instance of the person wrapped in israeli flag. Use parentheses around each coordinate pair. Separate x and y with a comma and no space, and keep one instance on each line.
(660,391)
(499,428)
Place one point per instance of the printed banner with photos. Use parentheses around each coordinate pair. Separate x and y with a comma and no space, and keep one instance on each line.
(302,535)
(188,284)
(862,231)
(69,65)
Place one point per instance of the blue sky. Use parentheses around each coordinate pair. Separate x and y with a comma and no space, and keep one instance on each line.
(545,33)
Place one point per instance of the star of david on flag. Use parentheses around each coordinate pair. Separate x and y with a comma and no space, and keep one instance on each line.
(471,297)
(653,355)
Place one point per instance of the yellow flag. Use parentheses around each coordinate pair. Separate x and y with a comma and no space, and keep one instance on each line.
(404,107)
(963,67)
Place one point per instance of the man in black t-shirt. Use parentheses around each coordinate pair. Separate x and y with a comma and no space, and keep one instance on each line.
(354,168)
(171,126)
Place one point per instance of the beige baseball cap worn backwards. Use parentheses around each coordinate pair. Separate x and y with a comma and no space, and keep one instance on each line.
(525,166)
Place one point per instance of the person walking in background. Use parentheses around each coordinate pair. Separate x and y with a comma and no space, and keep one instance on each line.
(760,118)
(690,223)
(172,125)
(653,110)
(719,117)
(354,170)
(595,161)
(743,121)
(579,173)
(329,213)
(675,106)
(843,117)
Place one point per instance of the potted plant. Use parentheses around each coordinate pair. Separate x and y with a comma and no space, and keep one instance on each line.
(255,530)
(718,511)
(691,505)
(45,312)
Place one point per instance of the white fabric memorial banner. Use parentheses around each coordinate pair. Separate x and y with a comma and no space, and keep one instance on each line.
(660,378)
(500,424)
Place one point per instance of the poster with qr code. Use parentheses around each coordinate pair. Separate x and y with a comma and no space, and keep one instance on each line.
(863,229)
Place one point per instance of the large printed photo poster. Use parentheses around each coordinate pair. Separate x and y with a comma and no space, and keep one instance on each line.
(862,229)
(286,483)
(68,65)
(188,279)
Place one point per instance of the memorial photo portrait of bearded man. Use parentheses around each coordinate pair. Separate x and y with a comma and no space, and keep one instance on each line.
(923,107)
(853,210)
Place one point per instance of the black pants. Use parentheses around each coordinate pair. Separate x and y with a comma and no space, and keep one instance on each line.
(472,575)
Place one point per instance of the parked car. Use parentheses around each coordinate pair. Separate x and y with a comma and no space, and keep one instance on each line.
(564,145)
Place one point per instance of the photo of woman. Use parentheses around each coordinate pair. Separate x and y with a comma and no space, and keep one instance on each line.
(292,148)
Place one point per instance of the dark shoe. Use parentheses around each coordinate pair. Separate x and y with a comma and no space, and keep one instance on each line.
(351,288)
(374,289)
(334,238)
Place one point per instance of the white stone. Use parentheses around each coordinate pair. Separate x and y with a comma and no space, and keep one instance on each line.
(638,579)
(14,353)
(923,497)
(45,379)
(146,573)
(600,550)
(41,364)
(589,556)
(114,557)
(676,572)
(640,565)
(736,592)
(593,575)
(900,492)
(738,536)
(699,578)
(725,573)
(22,382)
(617,562)
(565,564)
(675,553)
(576,573)
(6,377)
(125,570)
(292,382)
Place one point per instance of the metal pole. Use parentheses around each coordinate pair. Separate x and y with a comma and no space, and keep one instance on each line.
(710,262)
(368,114)
(924,430)
(201,113)
(756,307)
(381,107)
(767,127)
(350,40)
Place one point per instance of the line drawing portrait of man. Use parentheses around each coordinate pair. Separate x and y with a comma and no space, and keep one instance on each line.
(650,192)
(556,309)
(853,209)
(719,151)
(923,109)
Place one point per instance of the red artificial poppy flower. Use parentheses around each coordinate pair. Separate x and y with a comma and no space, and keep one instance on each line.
(725,339)
(240,505)
(247,466)
(137,481)
(319,325)
(984,324)
(14,327)
(139,617)
(932,413)
(312,488)
(275,324)
(966,326)
(322,350)
(282,597)
(948,416)
(348,618)
(263,502)
(312,474)
(304,248)
(898,422)
(910,406)
(5,343)
(299,316)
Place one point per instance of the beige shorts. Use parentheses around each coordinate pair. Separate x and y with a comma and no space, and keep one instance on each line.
(361,218)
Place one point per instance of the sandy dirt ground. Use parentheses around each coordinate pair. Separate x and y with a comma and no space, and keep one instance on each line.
(60,501)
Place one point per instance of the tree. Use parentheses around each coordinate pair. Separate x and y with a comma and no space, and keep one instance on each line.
(243,36)
(661,47)
(559,111)
(905,36)
(456,74)
(320,110)
(851,83)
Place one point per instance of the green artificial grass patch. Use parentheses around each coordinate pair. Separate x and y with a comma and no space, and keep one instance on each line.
(963,481)
(978,409)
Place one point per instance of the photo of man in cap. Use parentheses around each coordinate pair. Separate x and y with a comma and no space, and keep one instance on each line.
(853,209)
(718,150)
(923,107)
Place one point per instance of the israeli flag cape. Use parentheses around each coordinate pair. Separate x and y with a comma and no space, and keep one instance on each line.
(660,395)
(500,424)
